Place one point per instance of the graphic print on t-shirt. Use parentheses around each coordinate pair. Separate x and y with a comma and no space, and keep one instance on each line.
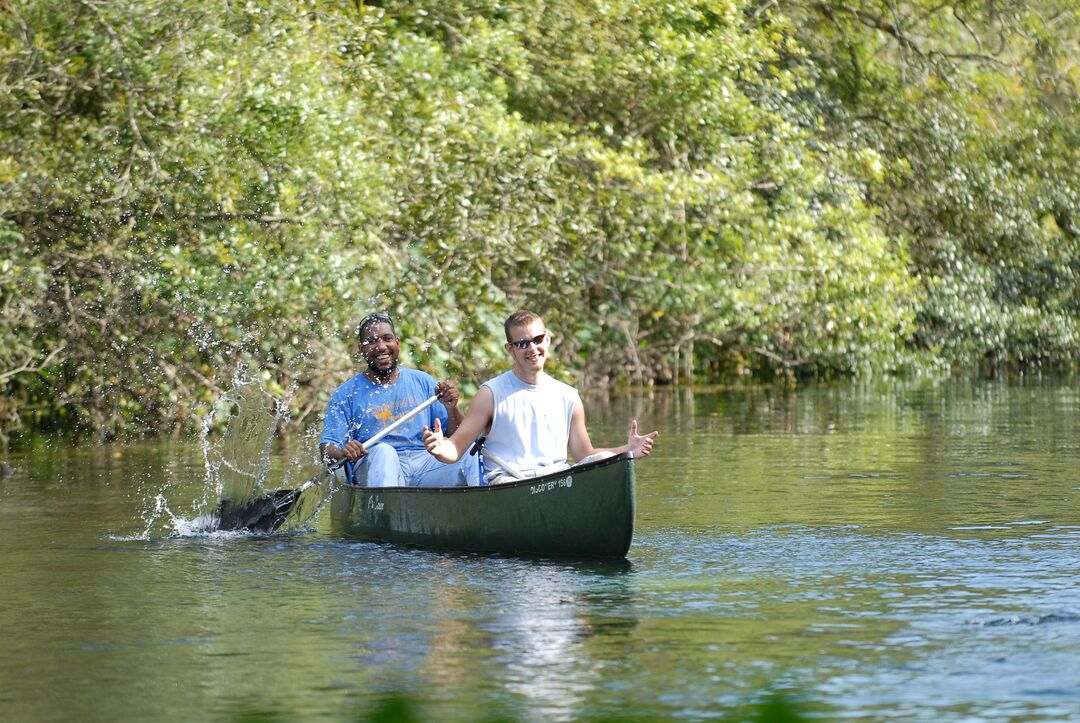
(390,413)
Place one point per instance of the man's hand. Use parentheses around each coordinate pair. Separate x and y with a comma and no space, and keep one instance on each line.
(447,394)
(640,445)
(354,450)
(439,446)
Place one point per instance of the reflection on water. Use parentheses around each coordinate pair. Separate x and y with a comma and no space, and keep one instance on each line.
(902,552)
(543,623)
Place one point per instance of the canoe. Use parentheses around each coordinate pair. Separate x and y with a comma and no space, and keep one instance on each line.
(586,511)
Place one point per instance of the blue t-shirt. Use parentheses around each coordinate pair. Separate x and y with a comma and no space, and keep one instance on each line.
(359,409)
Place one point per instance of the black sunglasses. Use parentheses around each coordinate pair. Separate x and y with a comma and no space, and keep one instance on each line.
(524,343)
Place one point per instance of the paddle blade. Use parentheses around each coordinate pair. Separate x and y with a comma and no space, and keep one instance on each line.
(260,514)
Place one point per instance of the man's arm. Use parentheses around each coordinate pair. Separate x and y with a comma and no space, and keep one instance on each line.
(450,449)
(353,450)
(448,395)
(336,426)
(581,446)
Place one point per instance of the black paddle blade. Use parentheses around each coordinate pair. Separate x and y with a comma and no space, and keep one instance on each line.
(261,514)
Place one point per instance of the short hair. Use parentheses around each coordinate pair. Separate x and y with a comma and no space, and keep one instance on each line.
(379,317)
(523,317)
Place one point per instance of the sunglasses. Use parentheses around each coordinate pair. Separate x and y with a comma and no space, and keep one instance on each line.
(524,343)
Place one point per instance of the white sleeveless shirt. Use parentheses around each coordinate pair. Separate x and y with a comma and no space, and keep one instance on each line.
(530,424)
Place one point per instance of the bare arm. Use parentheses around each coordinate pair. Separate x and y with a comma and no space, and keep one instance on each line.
(477,419)
(448,395)
(581,446)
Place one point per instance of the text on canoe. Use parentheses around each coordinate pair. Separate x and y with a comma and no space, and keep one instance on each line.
(548,486)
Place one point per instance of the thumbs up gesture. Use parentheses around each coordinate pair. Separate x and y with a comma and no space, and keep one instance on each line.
(640,445)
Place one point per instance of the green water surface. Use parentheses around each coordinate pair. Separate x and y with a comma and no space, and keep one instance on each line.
(897,552)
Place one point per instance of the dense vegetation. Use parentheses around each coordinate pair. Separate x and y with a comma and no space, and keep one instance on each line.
(687,189)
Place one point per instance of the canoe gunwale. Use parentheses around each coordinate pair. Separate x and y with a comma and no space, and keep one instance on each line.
(577,469)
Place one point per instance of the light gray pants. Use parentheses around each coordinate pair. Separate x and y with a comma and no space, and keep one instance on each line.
(387,466)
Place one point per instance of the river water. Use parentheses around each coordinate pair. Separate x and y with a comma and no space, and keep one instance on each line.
(897,552)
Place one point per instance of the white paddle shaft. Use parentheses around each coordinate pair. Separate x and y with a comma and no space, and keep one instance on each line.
(390,428)
(401,420)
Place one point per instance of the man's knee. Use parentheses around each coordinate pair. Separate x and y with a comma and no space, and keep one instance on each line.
(382,453)
(432,473)
(380,468)
(469,472)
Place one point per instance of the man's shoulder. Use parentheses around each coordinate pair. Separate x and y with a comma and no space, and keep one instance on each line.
(505,380)
(549,382)
(546,383)
(349,393)
(351,384)
(408,373)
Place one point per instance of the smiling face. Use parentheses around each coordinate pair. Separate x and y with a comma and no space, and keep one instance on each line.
(379,346)
(529,362)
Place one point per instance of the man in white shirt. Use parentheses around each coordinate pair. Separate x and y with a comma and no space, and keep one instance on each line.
(530,419)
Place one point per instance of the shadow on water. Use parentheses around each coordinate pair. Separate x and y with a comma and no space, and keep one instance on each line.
(402,708)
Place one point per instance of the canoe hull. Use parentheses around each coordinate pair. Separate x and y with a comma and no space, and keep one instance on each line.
(583,512)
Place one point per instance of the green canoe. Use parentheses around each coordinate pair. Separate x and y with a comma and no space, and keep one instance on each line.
(585,511)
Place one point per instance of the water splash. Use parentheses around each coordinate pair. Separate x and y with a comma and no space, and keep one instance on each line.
(238,461)
(238,440)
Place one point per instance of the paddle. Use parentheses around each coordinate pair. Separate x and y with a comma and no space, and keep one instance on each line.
(267,513)
(478,446)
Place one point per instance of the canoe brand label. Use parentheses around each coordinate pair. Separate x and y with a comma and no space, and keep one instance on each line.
(548,486)
(374,504)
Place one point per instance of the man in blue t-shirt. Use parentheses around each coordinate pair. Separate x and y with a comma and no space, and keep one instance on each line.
(375,399)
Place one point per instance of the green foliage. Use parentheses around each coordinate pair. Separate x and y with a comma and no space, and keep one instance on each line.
(971,112)
(685,189)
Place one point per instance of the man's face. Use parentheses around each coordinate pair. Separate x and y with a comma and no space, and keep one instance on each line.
(536,341)
(379,347)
